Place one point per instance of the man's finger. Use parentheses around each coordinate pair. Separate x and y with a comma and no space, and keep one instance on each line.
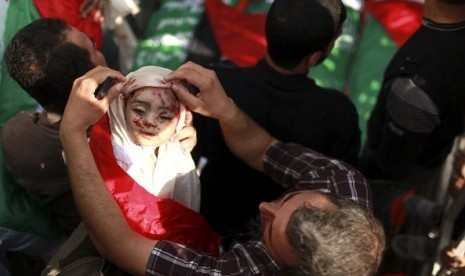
(113,92)
(191,72)
(187,98)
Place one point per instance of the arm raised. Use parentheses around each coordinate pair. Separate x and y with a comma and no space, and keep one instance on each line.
(245,138)
(100,213)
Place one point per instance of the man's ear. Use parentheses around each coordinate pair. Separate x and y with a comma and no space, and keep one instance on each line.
(313,59)
(317,57)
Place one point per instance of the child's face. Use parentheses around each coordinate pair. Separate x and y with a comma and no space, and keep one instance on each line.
(151,115)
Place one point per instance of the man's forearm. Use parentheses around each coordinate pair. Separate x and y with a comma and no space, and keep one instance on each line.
(245,138)
(100,213)
(92,198)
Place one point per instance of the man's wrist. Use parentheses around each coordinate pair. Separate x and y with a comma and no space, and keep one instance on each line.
(230,114)
(70,134)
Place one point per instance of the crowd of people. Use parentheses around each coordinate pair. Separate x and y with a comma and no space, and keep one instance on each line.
(285,186)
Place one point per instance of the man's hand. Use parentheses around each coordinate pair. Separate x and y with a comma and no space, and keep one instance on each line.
(451,259)
(83,109)
(211,100)
(88,6)
(458,174)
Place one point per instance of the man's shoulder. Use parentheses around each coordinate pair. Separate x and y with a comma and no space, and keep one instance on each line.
(25,128)
(336,100)
(22,117)
(19,124)
(334,94)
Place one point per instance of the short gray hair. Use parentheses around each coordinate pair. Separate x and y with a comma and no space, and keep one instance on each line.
(347,240)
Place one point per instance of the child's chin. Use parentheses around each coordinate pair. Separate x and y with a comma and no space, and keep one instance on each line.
(146,143)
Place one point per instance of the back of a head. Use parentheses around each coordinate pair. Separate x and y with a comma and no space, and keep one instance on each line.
(297,28)
(345,241)
(44,64)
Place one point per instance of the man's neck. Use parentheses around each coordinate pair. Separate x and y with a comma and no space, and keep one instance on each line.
(443,13)
(53,118)
(299,70)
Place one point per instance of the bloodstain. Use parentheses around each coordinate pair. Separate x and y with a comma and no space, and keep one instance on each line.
(167,99)
(142,123)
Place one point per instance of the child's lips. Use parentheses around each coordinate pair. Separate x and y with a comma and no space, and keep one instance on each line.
(147,134)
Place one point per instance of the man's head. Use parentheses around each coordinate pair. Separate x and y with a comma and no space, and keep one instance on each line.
(46,56)
(311,233)
(296,29)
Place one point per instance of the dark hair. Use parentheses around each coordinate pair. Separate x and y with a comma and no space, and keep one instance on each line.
(297,28)
(346,241)
(44,64)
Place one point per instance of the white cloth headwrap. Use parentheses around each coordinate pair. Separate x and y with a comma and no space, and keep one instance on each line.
(160,175)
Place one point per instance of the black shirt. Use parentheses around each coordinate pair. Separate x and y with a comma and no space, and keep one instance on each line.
(293,109)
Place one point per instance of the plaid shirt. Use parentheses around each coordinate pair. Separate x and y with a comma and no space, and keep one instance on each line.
(299,168)
(294,167)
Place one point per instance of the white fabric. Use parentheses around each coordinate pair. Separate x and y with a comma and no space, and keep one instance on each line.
(116,10)
(3,13)
(172,173)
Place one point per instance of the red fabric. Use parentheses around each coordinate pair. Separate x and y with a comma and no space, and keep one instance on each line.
(242,5)
(398,215)
(240,36)
(231,27)
(400,18)
(68,10)
(155,218)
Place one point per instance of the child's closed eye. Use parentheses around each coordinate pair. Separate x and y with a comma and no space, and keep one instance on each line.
(139,111)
